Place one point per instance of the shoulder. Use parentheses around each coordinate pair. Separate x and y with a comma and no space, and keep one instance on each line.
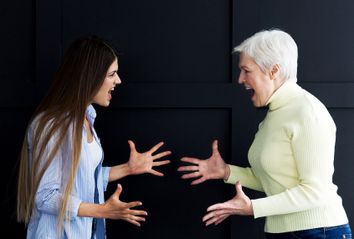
(42,126)
(309,110)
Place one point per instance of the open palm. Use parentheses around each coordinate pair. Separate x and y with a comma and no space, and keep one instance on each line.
(212,168)
(144,162)
(240,204)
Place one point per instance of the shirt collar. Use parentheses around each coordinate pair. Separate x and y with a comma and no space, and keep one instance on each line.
(287,91)
(91,114)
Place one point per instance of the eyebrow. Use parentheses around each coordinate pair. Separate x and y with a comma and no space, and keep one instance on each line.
(243,67)
(111,72)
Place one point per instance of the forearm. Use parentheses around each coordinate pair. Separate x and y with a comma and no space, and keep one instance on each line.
(297,199)
(118,172)
(245,176)
(49,201)
(91,210)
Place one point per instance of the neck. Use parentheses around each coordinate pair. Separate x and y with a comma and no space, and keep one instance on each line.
(278,82)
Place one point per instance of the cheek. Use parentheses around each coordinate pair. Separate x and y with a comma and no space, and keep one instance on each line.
(100,93)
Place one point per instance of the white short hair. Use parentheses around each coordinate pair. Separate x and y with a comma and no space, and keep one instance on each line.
(270,47)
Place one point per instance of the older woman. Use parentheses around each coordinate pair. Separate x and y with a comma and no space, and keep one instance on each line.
(291,156)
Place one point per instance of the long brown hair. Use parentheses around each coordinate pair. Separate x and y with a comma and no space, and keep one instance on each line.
(78,79)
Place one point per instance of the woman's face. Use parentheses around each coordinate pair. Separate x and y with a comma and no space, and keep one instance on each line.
(104,94)
(260,84)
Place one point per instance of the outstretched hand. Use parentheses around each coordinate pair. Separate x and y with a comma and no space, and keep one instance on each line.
(239,205)
(144,162)
(211,168)
(116,209)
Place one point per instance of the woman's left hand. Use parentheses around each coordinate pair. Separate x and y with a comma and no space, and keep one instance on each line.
(239,205)
(144,162)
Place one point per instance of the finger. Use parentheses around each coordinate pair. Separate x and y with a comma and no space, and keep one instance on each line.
(215,147)
(211,221)
(221,219)
(133,222)
(160,155)
(221,212)
(156,173)
(138,212)
(208,216)
(216,207)
(139,219)
(133,204)
(156,147)
(118,191)
(191,175)
(188,168)
(214,216)
(239,191)
(134,218)
(131,145)
(190,160)
(198,181)
(160,163)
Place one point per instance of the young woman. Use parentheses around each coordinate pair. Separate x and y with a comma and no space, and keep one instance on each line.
(61,178)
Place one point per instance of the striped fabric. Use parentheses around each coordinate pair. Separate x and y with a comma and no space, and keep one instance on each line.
(90,183)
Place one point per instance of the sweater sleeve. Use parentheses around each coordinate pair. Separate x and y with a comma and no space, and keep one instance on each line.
(313,144)
(245,176)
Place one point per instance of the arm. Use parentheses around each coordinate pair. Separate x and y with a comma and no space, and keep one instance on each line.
(49,192)
(139,163)
(245,176)
(313,149)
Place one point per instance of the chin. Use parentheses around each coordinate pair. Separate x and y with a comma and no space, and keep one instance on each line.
(257,105)
(104,104)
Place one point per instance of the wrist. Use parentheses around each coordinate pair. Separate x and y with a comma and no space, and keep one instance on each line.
(251,208)
(226,172)
(126,169)
(91,210)
(119,171)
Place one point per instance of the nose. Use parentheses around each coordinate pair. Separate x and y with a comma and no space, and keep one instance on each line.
(118,80)
(240,79)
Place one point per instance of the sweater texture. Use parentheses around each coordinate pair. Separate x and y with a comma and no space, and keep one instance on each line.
(291,161)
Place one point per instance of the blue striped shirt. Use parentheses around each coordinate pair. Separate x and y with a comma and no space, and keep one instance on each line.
(90,183)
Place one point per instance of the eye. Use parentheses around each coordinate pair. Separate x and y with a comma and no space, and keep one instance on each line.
(111,75)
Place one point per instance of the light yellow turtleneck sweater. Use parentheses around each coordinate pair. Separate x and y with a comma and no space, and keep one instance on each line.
(291,160)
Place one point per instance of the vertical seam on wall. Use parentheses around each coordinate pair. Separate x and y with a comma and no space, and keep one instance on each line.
(34,43)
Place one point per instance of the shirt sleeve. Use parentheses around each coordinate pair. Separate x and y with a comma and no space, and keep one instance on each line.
(50,189)
(313,144)
(106,171)
(245,176)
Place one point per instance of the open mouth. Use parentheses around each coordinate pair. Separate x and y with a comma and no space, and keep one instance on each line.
(250,91)
(110,93)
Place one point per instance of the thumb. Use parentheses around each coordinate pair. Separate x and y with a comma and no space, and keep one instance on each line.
(215,147)
(131,145)
(239,192)
(118,191)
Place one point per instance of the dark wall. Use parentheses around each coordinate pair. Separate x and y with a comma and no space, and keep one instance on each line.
(178,86)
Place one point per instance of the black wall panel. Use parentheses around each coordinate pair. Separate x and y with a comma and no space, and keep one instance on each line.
(178,86)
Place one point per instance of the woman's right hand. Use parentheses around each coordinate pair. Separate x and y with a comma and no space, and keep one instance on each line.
(211,168)
(116,209)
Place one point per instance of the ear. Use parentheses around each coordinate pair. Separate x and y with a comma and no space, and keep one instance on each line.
(274,72)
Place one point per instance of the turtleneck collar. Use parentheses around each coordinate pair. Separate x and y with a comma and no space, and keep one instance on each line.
(287,91)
